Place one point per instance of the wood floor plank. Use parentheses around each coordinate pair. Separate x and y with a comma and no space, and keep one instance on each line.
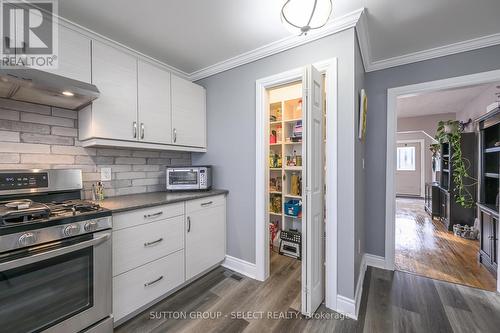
(392,302)
(425,247)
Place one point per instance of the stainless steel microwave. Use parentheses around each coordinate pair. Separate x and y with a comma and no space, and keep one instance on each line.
(189,178)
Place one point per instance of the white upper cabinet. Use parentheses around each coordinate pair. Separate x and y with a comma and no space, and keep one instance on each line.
(114,113)
(154,104)
(188,113)
(74,59)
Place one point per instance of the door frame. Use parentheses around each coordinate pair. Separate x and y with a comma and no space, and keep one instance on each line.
(390,189)
(422,162)
(329,69)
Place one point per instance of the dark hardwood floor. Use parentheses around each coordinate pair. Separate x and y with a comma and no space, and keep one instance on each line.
(391,302)
(425,247)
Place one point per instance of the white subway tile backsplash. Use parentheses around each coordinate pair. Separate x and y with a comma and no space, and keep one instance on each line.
(24,106)
(7,158)
(38,137)
(48,139)
(73,150)
(9,114)
(12,147)
(47,158)
(48,120)
(64,113)
(64,131)
(130,175)
(17,126)
(9,136)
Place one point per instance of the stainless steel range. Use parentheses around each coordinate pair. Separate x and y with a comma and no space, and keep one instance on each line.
(55,255)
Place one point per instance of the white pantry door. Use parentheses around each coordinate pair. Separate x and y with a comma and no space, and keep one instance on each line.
(312,229)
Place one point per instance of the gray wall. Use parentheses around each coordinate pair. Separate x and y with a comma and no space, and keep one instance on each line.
(37,136)
(377,84)
(231,143)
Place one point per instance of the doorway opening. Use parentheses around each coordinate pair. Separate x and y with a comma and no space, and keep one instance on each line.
(291,200)
(445,222)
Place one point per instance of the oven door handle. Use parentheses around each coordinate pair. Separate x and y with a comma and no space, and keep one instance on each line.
(5,266)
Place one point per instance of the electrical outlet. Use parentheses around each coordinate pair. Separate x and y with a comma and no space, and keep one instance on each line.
(105,174)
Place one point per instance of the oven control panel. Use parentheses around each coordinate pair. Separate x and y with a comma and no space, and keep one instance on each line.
(20,181)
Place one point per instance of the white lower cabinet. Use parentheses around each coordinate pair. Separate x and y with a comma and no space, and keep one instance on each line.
(205,234)
(158,249)
(142,285)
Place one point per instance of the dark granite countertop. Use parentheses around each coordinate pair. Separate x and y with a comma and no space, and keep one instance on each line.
(125,203)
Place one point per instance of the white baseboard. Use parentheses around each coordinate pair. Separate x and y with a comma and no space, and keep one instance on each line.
(349,306)
(375,261)
(241,266)
(346,306)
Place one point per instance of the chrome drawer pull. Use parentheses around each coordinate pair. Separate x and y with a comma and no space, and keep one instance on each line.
(153,215)
(189,223)
(147,284)
(153,242)
(207,203)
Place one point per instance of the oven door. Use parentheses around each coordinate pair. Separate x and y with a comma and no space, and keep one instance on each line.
(183,179)
(63,286)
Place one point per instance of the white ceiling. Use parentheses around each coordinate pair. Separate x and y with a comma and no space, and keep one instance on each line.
(444,101)
(194,34)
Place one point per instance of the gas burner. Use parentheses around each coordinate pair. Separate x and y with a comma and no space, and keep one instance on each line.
(73,207)
(14,212)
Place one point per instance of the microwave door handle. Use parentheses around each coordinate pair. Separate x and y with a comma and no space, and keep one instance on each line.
(5,266)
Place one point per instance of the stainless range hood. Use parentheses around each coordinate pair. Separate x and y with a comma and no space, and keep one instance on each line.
(36,86)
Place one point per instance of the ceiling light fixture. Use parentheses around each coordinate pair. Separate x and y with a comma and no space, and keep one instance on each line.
(301,16)
(68,93)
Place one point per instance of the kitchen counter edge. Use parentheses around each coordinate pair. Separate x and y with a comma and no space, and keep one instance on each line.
(124,203)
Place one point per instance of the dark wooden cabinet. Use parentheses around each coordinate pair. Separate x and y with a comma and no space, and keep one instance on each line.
(444,206)
(452,213)
(488,227)
(488,127)
(432,200)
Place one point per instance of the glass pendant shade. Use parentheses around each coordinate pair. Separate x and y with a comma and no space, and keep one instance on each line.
(300,16)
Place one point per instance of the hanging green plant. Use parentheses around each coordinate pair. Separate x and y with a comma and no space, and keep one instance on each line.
(450,131)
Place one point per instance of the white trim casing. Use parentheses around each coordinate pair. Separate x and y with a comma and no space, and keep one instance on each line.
(328,67)
(241,266)
(392,95)
(422,162)
(375,261)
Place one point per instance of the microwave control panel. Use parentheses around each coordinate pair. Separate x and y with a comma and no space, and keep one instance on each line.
(203,178)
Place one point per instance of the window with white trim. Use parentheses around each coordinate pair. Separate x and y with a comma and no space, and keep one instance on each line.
(406,159)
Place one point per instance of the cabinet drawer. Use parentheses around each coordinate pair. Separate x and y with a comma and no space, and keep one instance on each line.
(146,215)
(146,283)
(136,246)
(203,203)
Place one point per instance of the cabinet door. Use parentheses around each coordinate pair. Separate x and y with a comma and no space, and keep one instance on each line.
(154,110)
(114,113)
(74,56)
(494,241)
(205,239)
(188,113)
(486,234)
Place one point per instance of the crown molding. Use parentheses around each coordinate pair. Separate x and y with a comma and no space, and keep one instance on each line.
(336,25)
(437,52)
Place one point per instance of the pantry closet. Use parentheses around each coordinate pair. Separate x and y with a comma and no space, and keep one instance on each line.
(295,178)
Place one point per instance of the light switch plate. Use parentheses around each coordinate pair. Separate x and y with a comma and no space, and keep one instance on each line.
(105,174)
